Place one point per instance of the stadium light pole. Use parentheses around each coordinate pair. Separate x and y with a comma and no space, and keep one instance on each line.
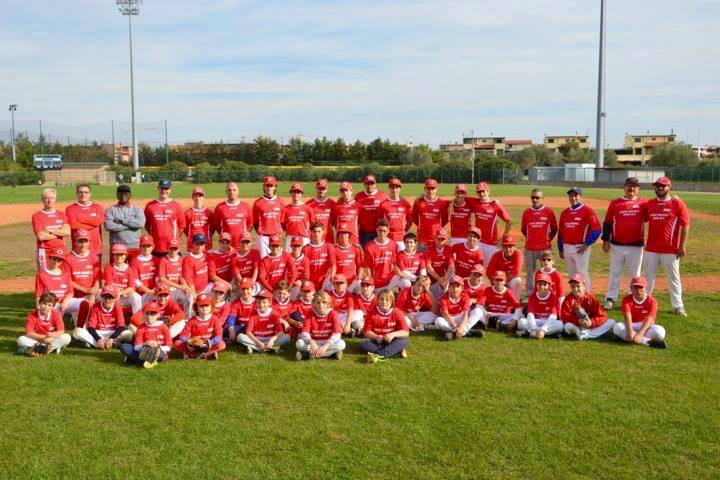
(130,8)
(600,130)
(12,109)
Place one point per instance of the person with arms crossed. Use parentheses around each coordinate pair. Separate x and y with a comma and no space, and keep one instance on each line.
(266,213)
(539,227)
(369,200)
(639,310)
(579,228)
(164,219)
(88,216)
(125,222)
(50,227)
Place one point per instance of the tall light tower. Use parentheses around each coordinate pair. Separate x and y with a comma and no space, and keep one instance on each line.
(130,8)
(12,109)
(600,131)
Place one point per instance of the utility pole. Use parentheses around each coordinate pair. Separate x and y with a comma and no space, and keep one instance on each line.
(130,8)
(12,109)
(42,140)
(601,114)
(167,154)
(112,136)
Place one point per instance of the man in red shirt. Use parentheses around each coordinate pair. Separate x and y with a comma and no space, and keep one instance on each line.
(43,325)
(380,256)
(321,257)
(508,260)
(232,216)
(276,266)
(164,219)
(639,310)
(322,207)
(468,254)
(398,212)
(370,200)
(347,212)
(88,216)
(50,226)
(267,212)
(668,225)
(539,227)
(198,218)
(460,212)
(84,268)
(488,212)
(578,229)
(296,217)
(429,213)
(582,314)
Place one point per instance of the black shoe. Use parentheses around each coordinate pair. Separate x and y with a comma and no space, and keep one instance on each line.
(557,335)
(658,344)
(522,333)
(493,321)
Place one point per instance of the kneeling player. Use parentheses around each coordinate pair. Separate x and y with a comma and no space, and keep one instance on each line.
(321,331)
(264,331)
(152,339)
(582,314)
(202,335)
(542,311)
(639,311)
(105,327)
(418,304)
(457,317)
(44,329)
(385,330)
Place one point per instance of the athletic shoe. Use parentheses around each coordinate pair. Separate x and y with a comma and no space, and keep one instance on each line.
(450,335)
(371,358)
(299,356)
(24,351)
(211,356)
(149,364)
(522,333)
(680,311)
(338,355)
(249,350)
(609,304)
(658,344)
(275,349)
(403,353)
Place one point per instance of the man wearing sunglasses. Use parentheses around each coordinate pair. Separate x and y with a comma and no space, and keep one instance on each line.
(539,227)
(125,222)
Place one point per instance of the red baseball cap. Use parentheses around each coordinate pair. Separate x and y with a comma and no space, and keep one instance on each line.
(198,191)
(339,278)
(118,248)
(663,181)
(82,234)
(147,240)
(245,237)
(151,307)
(344,227)
(460,187)
(296,187)
(109,290)
(369,179)
(269,180)
(173,243)
(482,186)
(638,282)
(275,240)
(577,277)
(543,277)
(220,287)
(57,253)
(430,183)
(307,286)
(162,289)
(263,294)
(297,241)
(508,240)
(457,279)
(500,275)
(246,283)
(395,182)
(441,233)
(345,186)
(367,281)
(203,299)
(321,183)
(226,236)
(476,231)
(478,268)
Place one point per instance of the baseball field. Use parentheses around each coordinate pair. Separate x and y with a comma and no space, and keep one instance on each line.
(497,407)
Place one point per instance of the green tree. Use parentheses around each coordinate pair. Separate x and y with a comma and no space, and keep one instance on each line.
(673,155)
(174,166)
(579,155)
(611,159)
(357,153)
(338,151)
(420,155)
(267,151)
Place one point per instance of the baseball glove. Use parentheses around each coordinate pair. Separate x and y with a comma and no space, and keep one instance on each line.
(149,354)
(40,348)
(581,313)
(199,344)
(297,316)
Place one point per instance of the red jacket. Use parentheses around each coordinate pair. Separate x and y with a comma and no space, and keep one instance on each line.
(589,303)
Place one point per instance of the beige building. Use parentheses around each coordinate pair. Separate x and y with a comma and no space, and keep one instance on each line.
(637,149)
(451,147)
(123,153)
(554,142)
(497,146)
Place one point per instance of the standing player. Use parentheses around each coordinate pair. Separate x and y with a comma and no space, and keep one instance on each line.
(542,312)
(198,218)
(88,216)
(322,207)
(370,200)
(398,213)
(44,325)
(508,260)
(386,332)
(456,315)
(123,278)
(459,212)
(321,257)
(539,227)
(380,256)
(429,213)
(164,219)
(296,217)
(125,222)
(623,235)
(346,211)
(85,271)
(348,258)
(232,216)
(579,228)
(50,226)
(321,331)
(276,266)
(440,263)
(468,254)
(582,314)
(487,214)
(668,225)
(639,310)
(266,214)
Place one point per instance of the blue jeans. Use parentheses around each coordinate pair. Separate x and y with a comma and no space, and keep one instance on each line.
(128,349)
(385,349)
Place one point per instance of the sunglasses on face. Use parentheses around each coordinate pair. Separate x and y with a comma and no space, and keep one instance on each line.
(547,259)
(536,198)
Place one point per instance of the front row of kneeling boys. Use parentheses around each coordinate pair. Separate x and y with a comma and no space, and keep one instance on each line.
(319,319)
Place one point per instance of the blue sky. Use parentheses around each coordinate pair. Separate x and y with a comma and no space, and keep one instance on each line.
(225,69)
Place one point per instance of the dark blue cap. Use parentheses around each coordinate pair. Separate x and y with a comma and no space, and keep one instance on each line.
(577,190)
(199,238)
(165,184)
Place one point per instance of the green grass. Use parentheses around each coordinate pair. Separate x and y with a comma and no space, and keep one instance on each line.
(493,408)
(706,202)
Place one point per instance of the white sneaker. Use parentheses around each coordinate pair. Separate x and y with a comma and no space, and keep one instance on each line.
(609,304)
(681,312)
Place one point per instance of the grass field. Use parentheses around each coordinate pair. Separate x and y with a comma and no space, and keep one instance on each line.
(499,407)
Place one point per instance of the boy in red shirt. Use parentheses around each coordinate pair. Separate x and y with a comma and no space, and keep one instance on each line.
(264,331)
(241,310)
(164,219)
(474,284)
(170,274)
(539,227)
(195,268)
(343,302)
(282,304)
(321,331)
(488,214)
(43,325)
(557,285)
(418,304)
(639,310)
(276,266)
(542,312)
(145,266)
(322,207)
(509,260)
(429,213)
(302,307)
(409,264)
(365,300)
(85,273)
(468,253)
(456,315)
(440,263)
(266,213)
(386,332)
(56,279)
(198,218)
(123,277)
(204,326)
(582,314)
(460,212)
(246,262)
(321,257)
(302,266)
(105,327)
(369,200)
(220,261)
(501,306)
(296,217)
(153,332)
(398,213)
(349,259)
(380,256)
(346,211)
(170,312)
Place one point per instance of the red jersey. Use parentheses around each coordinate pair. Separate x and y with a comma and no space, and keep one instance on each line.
(398,214)
(296,219)
(499,302)
(348,261)
(49,221)
(302,265)
(589,303)
(234,219)
(512,265)
(557,287)
(36,323)
(304,309)
(164,221)
(222,312)
(120,278)
(411,262)
(321,327)
(283,309)
(322,212)
(342,303)
(460,219)
(369,209)
(440,260)
(347,213)
(576,223)
(454,306)
(89,217)
(158,332)
(486,219)
(170,314)
(466,259)
(264,324)
(380,258)
(665,218)
(245,264)
(429,215)
(626,220)
(266,214)
(381,323)
(475,292)
(145,269)
(84,271)
(542,307)
(198,221)
(408,303)
(170,269)
(273,269)
(321,258)
(196,327)
(639,311)
(243,310)
(101,319)
(365,304)
(539,228)
(220,264)
(195,271)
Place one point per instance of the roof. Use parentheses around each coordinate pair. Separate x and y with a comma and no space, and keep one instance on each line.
(518,142)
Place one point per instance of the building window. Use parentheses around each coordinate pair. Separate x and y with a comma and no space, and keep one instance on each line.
(498,140)
(583,140)
(638,151)
(638,140)
(654,139)
(551,140)
(671,139)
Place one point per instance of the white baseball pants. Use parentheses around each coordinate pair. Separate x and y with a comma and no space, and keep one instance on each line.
(82,335)
(425,320)
(622,256)
(655,332)
(280,341)
(337,346)
(671,264)
(474,316)
(589,333)
(550,325)
(263,245)
(59,342)
(578,262)
(357,321)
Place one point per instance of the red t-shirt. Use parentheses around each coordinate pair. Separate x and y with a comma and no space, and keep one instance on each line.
(145,269)
(381,323)
(456,306)
(398,214)
(512,265)
(497,302)
(36,323)
(170,313)
(304,309)
(411,262)
(283,309)
(49,221)
(539,227)
(639,311)
(84,271)
(198,221)
(321,258)
(321,327)
(264,324)
(369,209)
(342,303)
(234,219)
(101,319)
(195,271)
(302,265)
(429,216)
(195,327)
(542,307)
(89,217)
(120,278)
(460,220)
(267,214)
(440,260)
(273,269)
(576,223)
(220,264)
(296,219)
(379,258)
(158,332)
(221,312)
(487,215)
(347,213)
(170,269)
(348,261)
(243,310)
(475,292)
(664,222)
(365,304)
(407,303)
(557,287)
(164,221)
(322,212)
(627,219)
(245,265)
(466,259)
(589,303)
